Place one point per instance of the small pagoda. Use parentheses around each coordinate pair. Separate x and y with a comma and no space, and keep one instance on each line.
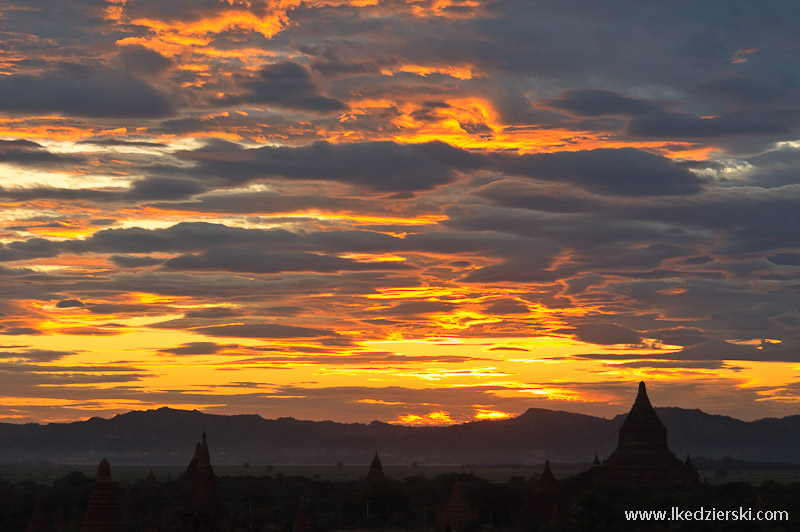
(103,513)
(642,454)
(454,514)
(201,510)
(375,470)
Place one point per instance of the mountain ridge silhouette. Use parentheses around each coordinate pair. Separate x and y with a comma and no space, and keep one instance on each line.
(167,436)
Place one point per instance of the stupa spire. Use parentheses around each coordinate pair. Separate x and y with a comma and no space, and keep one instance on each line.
(375,469)
(642,453)
(103,513)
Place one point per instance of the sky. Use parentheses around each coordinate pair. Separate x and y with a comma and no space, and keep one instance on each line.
(413,211)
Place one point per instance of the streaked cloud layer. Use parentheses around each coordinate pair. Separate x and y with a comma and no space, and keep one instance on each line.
(415,211)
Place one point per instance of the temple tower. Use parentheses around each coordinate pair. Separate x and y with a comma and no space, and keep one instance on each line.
(451,516)
(546,506)
(642,454)
(103,513)
(375,469)
(38,522)
(302,522)
(201,509)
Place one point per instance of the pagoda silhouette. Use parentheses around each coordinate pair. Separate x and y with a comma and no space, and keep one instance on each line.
(546,507)
(451,516)
(103,513)
(375,470)
(201,510)
(642,454)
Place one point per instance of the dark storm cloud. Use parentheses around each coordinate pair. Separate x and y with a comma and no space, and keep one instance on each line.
(257,261)
(286,248)
(196,348)
(724,307)
(163,188)
(69,303)
(139,60)
(615,172)
(412,308)
(122,143)
(600,103)
(683,336)
(180,237)
(32,248)
(741,123)
(25,152)
(40,192)
(19,331)
(129,261)
(267,202)
(262,330)
(82,91)
(127,309)
(775,168)
(746,220)
(785,259)
(605,334)
(658,364)
(717,349)
(35,355)
(213,312)
(385,166)
(345,58)
(714,350)
(507,306)
(286,85)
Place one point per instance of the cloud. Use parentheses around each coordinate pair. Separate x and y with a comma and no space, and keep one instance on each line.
(196,348)
(385,166)
(256,261)
(179,237)
(20,331)
(75,90)
(785,259)
(164,188)
(615,172)
(683,336)
(285,84)
(599,103)
(679,126)
(26,152)
(262,330)
(69,303)
(35,355)
(507,306)
(718,349)
(139,60)
(132,261)
(606,334)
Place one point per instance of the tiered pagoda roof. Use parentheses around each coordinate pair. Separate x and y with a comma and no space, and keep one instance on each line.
(451,516)
(103,513)
(375,469)
(642,454)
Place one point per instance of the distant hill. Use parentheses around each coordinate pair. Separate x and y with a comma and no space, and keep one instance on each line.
(168,436)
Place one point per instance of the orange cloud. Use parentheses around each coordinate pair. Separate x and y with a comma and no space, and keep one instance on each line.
(431,418)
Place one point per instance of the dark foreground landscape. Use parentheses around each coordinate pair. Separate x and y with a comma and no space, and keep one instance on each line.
(638,474)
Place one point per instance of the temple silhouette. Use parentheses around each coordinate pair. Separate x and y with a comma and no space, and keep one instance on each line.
(456,513)
(375,470)
(200,510)
(103,513)
(642,454)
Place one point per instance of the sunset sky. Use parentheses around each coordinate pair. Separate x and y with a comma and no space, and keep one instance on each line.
(416,211)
